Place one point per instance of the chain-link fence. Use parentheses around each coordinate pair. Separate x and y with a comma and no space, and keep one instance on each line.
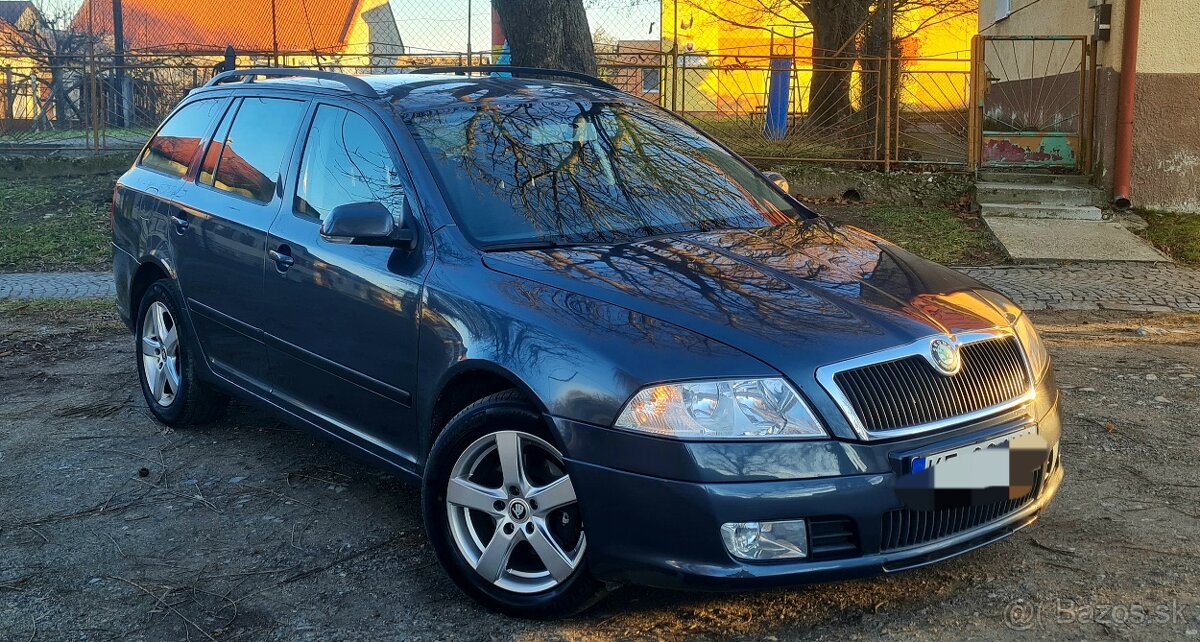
(766,92)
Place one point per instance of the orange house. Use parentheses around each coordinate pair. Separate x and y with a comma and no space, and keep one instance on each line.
(355,32)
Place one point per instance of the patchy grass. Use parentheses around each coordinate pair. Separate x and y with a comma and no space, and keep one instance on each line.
(936,233)
(1178,235)
(55,223)
(92,315)
(129,134)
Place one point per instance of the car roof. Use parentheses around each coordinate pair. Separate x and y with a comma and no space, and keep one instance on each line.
(424,91)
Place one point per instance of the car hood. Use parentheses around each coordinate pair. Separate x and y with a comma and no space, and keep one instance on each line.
(796,296)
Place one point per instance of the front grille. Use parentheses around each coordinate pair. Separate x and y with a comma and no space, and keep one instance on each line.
(832,538)
(904,527)
(909,392)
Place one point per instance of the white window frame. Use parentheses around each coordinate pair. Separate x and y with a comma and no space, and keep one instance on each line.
(1003,9)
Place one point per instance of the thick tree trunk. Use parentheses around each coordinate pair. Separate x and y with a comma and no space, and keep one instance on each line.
(552,34)
(882,85)
(835,24)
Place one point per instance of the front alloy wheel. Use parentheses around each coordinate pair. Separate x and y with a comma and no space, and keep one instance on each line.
(502,512)
(513,513)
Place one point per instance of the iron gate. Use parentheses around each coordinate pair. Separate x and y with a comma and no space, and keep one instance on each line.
(1034,102)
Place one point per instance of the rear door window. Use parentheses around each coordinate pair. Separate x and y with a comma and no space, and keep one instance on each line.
(252,152)
(345,161)
(175,145)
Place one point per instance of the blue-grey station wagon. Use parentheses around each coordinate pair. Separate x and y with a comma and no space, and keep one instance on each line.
(609,349)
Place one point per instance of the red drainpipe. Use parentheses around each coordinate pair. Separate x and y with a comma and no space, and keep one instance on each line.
(1123,163)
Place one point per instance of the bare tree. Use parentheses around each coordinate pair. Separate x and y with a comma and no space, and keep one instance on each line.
(547,33)
(55,55)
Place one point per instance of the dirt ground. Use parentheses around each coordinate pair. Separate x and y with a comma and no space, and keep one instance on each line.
(115,528)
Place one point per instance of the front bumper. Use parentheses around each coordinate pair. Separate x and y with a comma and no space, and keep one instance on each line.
(649,530)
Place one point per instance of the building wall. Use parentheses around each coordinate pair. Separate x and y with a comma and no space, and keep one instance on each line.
(1166,129)
(374,35)
(1166,154)
(636,67)
(22,79)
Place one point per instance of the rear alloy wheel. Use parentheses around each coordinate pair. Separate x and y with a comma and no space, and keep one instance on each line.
(166,370)
(160,354)
(502,512)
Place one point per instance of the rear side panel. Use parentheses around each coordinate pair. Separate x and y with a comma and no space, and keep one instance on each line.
(141,203)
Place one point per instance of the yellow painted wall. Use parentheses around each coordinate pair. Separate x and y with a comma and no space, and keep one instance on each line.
(1170,36)
(736,48)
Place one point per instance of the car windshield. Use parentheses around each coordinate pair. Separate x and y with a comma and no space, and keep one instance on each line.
(572,171)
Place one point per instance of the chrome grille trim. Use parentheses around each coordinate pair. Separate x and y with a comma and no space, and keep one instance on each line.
(893,386)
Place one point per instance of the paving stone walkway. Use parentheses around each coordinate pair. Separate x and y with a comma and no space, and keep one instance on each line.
(57,285)
(1134,287)
(1079,286)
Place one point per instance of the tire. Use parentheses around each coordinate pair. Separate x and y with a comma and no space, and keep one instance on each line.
(472,542)
(165,364)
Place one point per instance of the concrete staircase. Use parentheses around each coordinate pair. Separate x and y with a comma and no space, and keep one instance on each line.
(1055,217)
(1050,196)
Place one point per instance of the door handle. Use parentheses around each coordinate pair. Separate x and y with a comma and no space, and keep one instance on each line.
(181,222)
(282,257)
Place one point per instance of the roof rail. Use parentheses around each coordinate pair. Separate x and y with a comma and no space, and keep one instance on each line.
(465,69)
(353,83)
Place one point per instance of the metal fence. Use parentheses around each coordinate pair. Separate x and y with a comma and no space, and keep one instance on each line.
(785,105)
(831,110)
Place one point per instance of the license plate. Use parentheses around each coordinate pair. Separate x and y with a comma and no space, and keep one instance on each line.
(974,453)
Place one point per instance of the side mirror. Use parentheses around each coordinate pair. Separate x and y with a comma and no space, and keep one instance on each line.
(780,181)
(362,223)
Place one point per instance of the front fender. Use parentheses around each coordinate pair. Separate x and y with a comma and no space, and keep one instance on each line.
(577,357)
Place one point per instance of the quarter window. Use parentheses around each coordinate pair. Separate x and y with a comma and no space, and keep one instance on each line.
(345,161)
(174,146)
(262,132)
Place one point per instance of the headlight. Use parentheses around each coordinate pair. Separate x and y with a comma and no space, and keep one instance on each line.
(1035,351)
(721,409)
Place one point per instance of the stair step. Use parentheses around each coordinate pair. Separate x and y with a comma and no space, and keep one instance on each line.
(988,192)
(1026,210)
(1035,179)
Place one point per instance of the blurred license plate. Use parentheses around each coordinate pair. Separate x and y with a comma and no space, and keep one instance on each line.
(964,455)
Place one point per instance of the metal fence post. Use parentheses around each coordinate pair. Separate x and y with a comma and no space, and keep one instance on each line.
(975,106)
(9,97)
(674,55)
(887,111)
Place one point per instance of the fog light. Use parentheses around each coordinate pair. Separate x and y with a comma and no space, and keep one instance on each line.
(766,540)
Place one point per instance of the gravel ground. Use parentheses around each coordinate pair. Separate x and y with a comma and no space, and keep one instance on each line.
(113,527)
